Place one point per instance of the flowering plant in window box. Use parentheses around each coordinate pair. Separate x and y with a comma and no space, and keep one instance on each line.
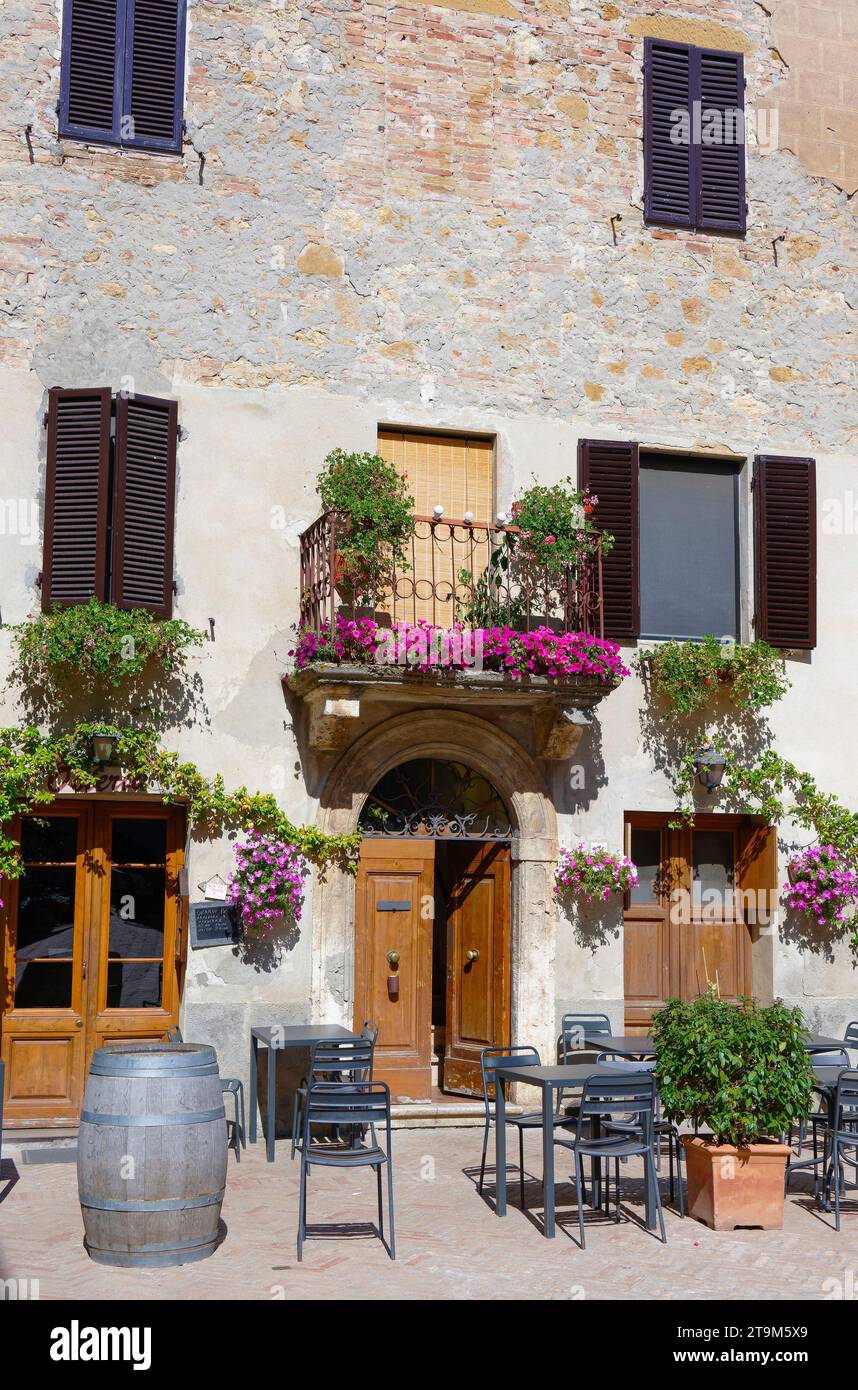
(555,525)
(593,874)
(689,674)
(267,884)
(823,881)
(423,647)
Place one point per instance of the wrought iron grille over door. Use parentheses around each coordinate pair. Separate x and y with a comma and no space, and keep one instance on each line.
(438,800)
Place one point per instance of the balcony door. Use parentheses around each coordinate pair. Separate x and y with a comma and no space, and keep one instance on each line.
(689,924)
(91,947)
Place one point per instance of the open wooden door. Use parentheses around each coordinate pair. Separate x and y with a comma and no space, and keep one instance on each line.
(478,995)
(394,910)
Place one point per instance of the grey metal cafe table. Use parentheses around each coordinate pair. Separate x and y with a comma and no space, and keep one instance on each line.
(548,1079)
(642,1048)
(277,1037)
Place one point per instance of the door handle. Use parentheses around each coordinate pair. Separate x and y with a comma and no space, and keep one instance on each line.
(78,1023)
(393,959)
(471,956)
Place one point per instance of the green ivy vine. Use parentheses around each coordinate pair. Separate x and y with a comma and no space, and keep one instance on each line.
(33,767)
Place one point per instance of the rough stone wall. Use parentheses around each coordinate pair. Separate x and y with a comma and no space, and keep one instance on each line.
(422,196)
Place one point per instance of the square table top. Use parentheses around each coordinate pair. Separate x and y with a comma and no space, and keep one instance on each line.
(301,1035)
(572,1074)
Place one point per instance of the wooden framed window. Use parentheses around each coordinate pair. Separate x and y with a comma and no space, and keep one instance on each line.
(703,891)
(122,74)
(694,137)
(674,567)
(109,500)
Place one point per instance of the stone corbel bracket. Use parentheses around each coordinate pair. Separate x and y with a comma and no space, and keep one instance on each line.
(565,733)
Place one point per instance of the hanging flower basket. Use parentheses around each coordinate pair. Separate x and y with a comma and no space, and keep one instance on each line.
(593,874)
(823,881)
(267,884)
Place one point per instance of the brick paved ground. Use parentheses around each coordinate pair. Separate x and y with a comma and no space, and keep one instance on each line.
(450,1244)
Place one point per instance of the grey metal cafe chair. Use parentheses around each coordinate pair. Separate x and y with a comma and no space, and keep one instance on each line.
(574,1027)
(341,1060)
(358,1107)
(230,1086)
(517,1056)
(616,1117)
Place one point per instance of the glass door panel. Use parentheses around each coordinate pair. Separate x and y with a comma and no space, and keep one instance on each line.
(44,956)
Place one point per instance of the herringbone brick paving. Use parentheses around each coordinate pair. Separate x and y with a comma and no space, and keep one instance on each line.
(450,1245)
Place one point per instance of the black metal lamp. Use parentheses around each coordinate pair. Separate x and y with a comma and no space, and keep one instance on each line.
(102,742)
(709,765)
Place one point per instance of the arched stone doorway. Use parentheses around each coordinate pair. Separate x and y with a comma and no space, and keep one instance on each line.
(461,738)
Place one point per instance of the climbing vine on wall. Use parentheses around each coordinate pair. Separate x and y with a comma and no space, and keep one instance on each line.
(35,766)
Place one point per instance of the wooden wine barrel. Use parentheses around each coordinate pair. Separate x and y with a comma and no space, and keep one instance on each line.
(152,1154)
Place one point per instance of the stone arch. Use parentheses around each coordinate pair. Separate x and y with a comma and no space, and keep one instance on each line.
(465,738)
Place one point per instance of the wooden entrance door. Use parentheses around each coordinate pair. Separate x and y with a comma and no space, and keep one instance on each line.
(478,1010)
(393,959)
(91,950)
(688,924)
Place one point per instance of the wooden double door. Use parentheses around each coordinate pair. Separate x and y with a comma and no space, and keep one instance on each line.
(92,947)
(432,960)
(703,891)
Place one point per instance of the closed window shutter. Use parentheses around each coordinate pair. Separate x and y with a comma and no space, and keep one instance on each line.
(721,204)
(785,546)
(610,471)
(76,497)
(145,491)
(91,77)
(669,164)
(154,72)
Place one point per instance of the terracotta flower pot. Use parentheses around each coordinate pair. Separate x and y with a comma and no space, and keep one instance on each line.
(729,1187)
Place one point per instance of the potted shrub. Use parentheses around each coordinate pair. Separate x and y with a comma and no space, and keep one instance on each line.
(741,1072)
(374,522)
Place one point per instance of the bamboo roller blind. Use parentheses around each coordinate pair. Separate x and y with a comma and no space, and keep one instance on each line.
(456,474)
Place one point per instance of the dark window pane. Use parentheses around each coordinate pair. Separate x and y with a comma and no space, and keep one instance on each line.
(137,912)
(646,855)
(46,913)
(43,984)
(713,869)
(139,841)
(688,554)
(54,839)
(134,986)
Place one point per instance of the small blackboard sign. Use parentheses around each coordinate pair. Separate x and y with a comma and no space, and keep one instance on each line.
(213,924)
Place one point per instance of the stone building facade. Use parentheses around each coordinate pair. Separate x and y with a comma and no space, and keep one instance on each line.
(430,217)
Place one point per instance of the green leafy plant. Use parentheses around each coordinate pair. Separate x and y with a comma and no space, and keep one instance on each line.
(34,766)
(555,526)
(740,1070)
(689,674)
(100,645)
(374,515)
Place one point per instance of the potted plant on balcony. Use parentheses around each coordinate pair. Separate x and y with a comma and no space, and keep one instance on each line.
(373,511)
(741,1072)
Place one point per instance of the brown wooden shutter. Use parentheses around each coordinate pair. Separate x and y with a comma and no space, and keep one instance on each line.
(145,491)
(670,168)
(76,496)
(757,872)
(785,545)
(609,469)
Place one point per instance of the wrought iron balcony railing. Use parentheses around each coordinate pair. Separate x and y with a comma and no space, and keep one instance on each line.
(456,572)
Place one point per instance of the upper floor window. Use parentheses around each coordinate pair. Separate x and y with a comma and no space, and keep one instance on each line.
(689,548)
(123,67)
(109,500)
(673,570)
(694,137)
